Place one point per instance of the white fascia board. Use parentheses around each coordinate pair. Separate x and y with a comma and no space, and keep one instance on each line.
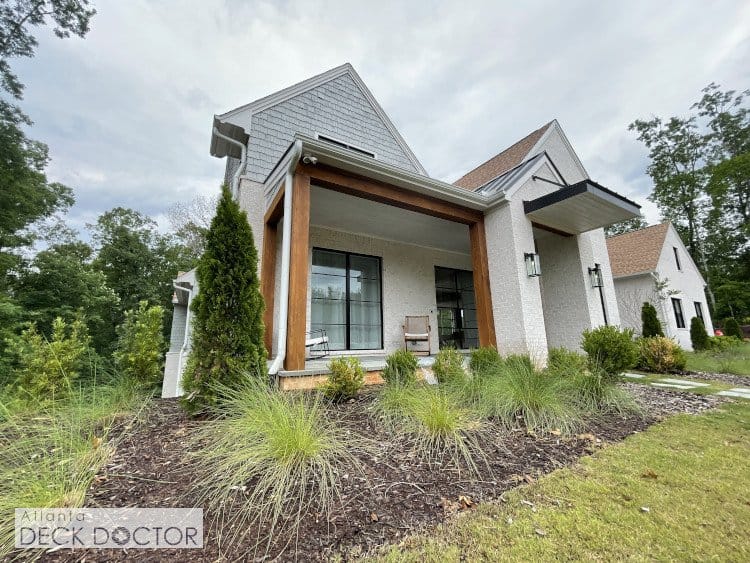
(635,275)
(510,192)
(543,139)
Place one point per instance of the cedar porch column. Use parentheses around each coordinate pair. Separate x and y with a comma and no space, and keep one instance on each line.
(267,280)
(298,274)
(485,319)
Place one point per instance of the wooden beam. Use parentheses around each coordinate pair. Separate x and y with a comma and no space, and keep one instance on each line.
(381,192)
(276,209)
(482,295)
(268,280)
(298,273)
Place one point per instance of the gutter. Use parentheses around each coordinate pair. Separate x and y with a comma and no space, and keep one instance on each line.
(286,251)
(243,161)
(185,339)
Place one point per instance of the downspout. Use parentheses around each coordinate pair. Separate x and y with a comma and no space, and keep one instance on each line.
(186,338)
(286,251)
(243,160)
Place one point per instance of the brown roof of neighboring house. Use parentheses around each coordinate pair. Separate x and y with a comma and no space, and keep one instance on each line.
(638,251)
(510,157)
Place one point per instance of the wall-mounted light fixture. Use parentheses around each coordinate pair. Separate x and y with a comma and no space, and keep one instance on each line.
(533,267)
(175,299)
(595,275)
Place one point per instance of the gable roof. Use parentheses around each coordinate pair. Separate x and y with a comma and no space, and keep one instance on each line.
(637,252)
(241,117)
(501,163)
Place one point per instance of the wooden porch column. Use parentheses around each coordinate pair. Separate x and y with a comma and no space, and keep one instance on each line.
(268,280)
(482,296)
(298,273)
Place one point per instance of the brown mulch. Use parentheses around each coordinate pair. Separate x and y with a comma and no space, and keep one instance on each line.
(397,494)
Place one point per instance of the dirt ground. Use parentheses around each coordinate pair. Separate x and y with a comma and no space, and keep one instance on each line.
(397,493)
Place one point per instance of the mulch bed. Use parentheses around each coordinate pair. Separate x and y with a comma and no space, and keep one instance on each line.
(398,494)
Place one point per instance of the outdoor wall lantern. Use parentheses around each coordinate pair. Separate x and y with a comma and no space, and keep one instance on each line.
(175,300)
(533,268)
(595,275)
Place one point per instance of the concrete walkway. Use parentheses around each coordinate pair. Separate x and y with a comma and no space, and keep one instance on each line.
(687,384)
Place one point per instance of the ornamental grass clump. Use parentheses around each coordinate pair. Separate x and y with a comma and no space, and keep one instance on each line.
(593,392)
(524,396)
(485,359)
(449,366)
(400,367)
(268,460)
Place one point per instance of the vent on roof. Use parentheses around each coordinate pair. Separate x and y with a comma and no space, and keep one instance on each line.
(346,145)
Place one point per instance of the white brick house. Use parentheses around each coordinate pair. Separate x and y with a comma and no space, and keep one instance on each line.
(656,255)
(355,235)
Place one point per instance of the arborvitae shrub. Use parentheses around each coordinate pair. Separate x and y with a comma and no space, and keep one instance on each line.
(698,334)
(651,324)
(610,350)
(400,368)
(228,310)
(345,380)
(140,347)
(732,328)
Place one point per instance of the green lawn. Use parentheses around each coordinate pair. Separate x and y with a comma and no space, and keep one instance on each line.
(735,361)
(679,491)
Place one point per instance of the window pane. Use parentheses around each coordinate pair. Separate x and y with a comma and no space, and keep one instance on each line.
(467,299)
(364,290)
(327,262)
(365,337)
(469,318)
(325,286)
(447,297)
(465,280)
(362,313)
(328,311)
(364,267)
(445,277)
(336,335)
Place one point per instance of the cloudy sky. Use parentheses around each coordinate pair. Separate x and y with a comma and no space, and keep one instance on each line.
(127,111)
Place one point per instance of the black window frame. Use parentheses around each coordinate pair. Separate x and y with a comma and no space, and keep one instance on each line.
(679,315)
(347,300)
(455,272)
(677,258)
(699,311)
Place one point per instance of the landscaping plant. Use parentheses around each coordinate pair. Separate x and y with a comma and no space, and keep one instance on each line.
(594,392)
(269,459)
(345,380)
(400,367)
(660,354)
(228,310)
(651,325)
(565,363)
(449,365)
(698,335)
(610,350)
(484,359)
(140,347)
(732,328)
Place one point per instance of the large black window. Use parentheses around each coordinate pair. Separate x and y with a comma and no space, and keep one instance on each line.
(699,311)
(457,310)
(346,299)
(677,258)
(678,316)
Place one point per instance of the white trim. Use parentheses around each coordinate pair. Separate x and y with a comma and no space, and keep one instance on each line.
(540,143)
(515,186)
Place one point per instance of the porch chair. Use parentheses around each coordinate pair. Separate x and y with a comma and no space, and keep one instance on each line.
(417,331)
(316,338)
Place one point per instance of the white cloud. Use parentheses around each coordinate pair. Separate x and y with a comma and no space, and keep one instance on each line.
(127,111)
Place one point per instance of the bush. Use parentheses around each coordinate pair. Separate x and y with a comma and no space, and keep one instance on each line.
(525,396)
(732,328)
(520,361)
(269,456)
(449,366)
(435,418)
(721,343)
(345,380)
(698,334)
(400,367)
(651,325)
(46,369)
(610,350)
(485,359)
(593,392)
(565,363)
(140,346)
(661,355)
(228,321)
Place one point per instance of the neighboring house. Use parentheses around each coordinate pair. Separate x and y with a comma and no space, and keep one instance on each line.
(355,235)
(653,265)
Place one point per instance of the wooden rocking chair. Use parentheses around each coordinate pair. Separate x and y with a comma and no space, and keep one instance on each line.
(417,331)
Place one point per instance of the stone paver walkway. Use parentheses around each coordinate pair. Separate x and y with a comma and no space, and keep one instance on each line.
(742,392)
(688,384)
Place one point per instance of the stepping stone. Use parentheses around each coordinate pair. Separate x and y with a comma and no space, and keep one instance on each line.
(633,375)
(740,389)
(734,394)
(672,386)
(685,382)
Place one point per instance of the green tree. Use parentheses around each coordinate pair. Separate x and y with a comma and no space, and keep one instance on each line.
(228,320)
(140,347)
(732,328)
(634,224)
(650,321)
(698,334)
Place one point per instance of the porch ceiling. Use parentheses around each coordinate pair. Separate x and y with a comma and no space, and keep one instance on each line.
(353,214)
(582,207)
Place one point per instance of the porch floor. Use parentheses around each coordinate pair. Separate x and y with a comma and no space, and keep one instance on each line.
(319,366)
